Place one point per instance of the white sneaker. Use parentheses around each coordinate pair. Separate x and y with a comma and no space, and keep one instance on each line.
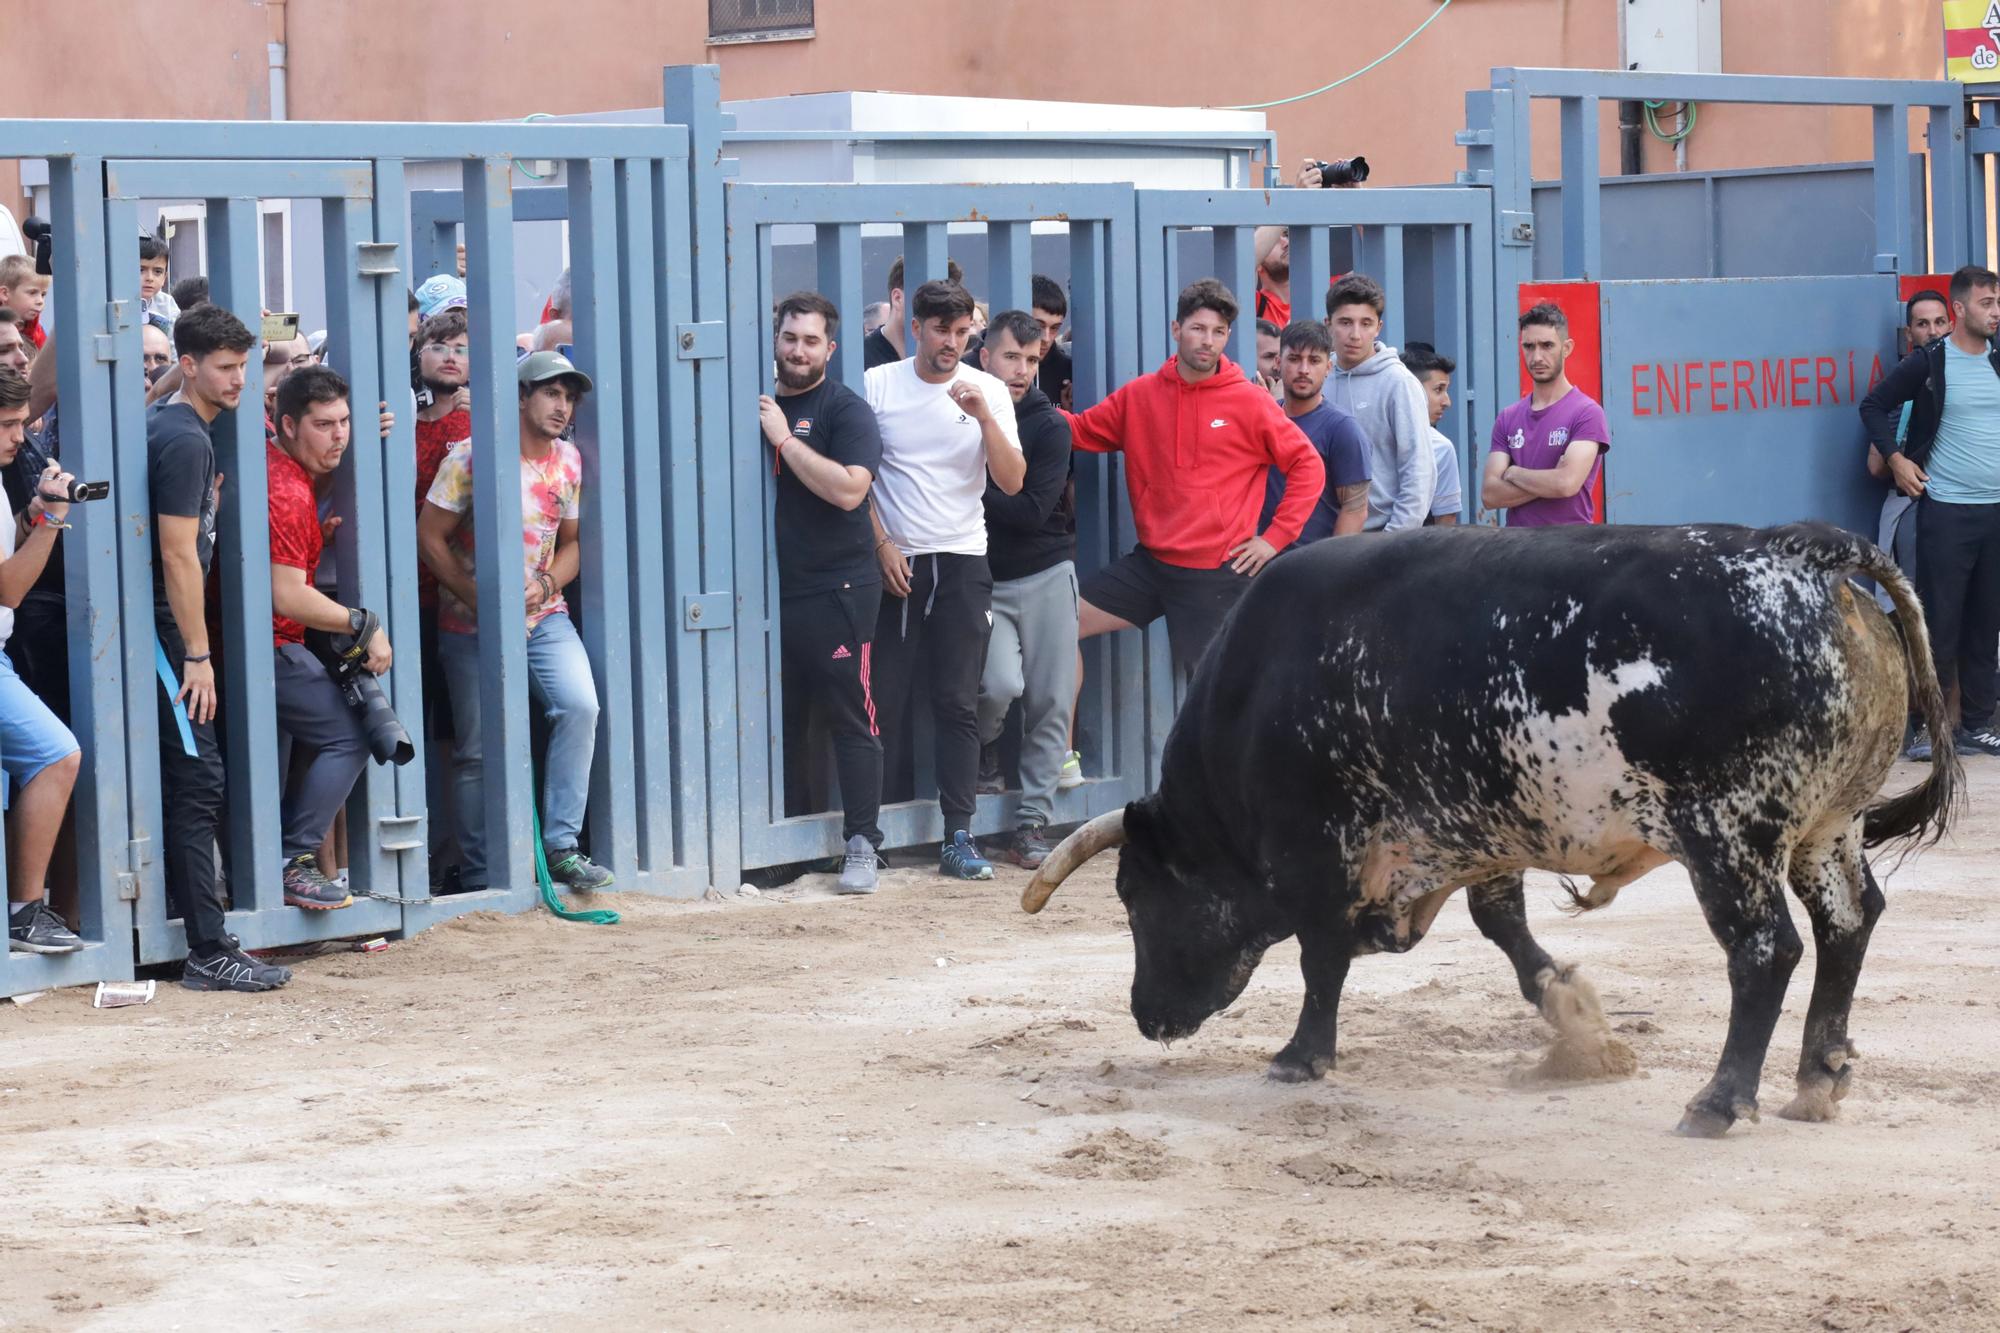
(1070,775)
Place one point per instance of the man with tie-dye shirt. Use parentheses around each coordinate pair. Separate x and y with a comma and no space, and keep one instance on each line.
(559,677)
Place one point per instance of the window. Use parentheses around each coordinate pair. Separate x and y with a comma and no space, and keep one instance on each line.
(759,20)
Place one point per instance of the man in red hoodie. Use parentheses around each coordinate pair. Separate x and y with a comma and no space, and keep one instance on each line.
(1199,440)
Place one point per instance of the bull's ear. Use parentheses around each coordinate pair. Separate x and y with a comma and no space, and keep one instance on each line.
(1142,822)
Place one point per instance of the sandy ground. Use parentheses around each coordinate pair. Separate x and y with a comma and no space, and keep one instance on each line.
(927,1109)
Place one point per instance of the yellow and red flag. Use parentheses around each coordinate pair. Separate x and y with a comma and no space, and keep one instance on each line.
(1972,40)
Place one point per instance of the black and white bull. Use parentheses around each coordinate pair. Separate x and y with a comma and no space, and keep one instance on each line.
(1385,720)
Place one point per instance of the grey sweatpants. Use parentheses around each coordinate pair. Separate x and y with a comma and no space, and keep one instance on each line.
(1898,536)
(1032,657)
(311,712)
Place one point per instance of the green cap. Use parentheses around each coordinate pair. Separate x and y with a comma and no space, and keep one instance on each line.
(541,367)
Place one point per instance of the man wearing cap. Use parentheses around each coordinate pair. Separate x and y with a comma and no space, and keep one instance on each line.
(438,293)
(559,680)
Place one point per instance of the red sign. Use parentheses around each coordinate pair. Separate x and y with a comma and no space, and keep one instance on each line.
(1765,384)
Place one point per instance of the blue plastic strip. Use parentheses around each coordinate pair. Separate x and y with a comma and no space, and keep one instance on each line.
(173,689)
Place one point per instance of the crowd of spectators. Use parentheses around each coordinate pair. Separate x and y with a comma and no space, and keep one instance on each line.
(925,534)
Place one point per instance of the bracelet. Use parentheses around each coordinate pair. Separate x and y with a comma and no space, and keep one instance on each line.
(197,657)
(47,520)
(548,586)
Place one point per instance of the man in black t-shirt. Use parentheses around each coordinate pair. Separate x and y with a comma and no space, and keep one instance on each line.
(890,343)
(826,453)
(214,348)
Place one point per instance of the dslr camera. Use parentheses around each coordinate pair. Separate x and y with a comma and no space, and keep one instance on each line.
(345,658)
(1343,171)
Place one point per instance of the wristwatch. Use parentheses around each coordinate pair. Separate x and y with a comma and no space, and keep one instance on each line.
(356,618)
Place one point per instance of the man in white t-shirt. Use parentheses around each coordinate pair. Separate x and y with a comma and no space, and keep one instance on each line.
(945,428)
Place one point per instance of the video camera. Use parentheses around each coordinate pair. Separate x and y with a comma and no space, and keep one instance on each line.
(36,232)
(1343,171)
(345,658)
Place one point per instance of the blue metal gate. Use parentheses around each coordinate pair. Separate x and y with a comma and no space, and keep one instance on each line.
(1099,220)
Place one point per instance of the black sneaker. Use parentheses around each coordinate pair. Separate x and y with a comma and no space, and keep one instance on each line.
(1918,748)
(230,969)
(306,887)
(577,872)
(992,781)
(1982,740)
(40,930)
(1029,848)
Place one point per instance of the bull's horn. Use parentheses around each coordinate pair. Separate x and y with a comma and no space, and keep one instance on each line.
(1100,834)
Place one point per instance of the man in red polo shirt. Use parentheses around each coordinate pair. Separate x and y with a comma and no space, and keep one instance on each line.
(314,427)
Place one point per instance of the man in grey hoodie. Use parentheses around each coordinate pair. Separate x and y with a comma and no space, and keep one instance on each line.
(1371,383)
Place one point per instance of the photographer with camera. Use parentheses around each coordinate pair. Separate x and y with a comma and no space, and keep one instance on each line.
(314,428)
(37,751)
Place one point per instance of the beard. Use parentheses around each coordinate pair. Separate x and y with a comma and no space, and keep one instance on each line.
(793,378)
(443,388)
(1278,270)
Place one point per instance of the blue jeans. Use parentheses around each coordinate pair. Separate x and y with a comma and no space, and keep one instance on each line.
(559,681)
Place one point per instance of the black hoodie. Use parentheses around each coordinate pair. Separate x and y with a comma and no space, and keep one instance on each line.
(1919,381)
(1035,529)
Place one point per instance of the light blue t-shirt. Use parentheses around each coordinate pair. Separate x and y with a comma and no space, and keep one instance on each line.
(1964,465)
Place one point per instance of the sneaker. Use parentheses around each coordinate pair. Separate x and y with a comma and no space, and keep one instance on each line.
(577,872)
(306,887)
(1919,748)
(1983,741)
(39,930)
(1070,775)
(992,781)
(230,969)
(960,859)
(857,871)
(1029,848)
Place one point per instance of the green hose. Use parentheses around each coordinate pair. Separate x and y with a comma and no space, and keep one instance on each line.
(594,917)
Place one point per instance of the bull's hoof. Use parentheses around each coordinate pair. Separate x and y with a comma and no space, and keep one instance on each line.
(1816,1103)
(1699,1122)
(1287,1068)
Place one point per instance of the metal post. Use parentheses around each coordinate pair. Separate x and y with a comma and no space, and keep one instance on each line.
(1583,235)
(838,250)
(693,97)
(601,440)
(1894,245)
(496,520)
(243,553)
(1236,267)
(1009,266)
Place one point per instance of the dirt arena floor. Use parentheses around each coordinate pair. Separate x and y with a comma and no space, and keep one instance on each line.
(926,1109)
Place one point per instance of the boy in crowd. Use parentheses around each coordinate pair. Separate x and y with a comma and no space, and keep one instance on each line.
(1549,447)
(1199,439)
(1031,549)
(25,292)
(826,451)
(154,298)
(185,486)
(1372,385)
(37,752)
(559,679)
(1434,370)
(946,428)
(1304,363)
(314,427)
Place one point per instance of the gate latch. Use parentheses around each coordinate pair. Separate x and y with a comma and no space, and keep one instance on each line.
(1517,228)
(707,611)
(698,342)
(399,833)
(135,862)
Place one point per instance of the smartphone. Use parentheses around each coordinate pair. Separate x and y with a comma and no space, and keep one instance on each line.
(281,328)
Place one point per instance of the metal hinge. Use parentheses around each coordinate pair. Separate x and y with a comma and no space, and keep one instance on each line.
(1517,228)
(399,833)
(104,346)
(376,259)
(699,342)
(128,878)
(707,610)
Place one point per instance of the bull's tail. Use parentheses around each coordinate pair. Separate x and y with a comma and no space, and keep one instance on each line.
(1922,814)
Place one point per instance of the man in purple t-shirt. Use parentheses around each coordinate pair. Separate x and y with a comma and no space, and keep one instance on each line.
(1548,448)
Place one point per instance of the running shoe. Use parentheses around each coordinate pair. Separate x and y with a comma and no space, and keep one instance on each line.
(857,870)
(38,929)
(577,872)
(306,887)
(1029,848)
(1070,775)
(960,859)
(228,968)
(1983,741)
